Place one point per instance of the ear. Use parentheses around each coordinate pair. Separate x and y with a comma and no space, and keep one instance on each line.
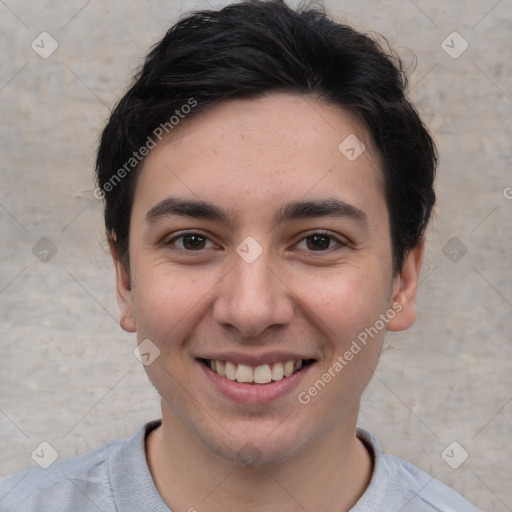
(405,284)
(123,291)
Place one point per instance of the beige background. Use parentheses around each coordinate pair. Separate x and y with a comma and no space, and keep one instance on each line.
(67,372)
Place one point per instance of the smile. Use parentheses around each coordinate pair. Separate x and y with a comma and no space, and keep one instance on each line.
(261,374)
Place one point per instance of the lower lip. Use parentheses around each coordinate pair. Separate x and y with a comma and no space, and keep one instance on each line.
(255,393)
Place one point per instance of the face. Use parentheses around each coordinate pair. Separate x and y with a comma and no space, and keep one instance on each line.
(289,263)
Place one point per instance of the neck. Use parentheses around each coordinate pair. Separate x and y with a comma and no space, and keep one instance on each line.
(331,473)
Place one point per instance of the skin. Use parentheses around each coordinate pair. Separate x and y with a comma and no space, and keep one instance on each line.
(252,156)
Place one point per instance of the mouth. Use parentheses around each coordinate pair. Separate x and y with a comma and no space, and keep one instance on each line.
(260,375)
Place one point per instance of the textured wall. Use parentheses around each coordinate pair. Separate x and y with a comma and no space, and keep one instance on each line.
(67,372)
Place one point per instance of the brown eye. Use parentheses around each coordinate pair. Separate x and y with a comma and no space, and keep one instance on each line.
(192,242)
(320,242)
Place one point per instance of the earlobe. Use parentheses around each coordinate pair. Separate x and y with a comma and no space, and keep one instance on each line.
(123,292)
(404,290)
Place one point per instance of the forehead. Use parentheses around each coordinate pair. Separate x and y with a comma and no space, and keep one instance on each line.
(262,151)
(292,121)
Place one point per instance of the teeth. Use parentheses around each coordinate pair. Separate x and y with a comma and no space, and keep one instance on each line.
(244,373)
(230,371)
(288,368)
(262,374)
(221,368)
(277,371)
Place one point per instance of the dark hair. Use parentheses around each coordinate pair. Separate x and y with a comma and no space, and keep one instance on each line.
(254,47)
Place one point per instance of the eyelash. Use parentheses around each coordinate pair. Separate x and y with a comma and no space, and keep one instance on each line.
(310,235)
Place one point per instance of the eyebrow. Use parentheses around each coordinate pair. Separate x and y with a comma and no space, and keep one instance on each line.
(198,209)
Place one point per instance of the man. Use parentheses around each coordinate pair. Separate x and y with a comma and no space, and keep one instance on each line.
(267,187)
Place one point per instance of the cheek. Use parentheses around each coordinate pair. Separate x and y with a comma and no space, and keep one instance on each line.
(167,306)
(168,302)
(347,300)
(348,306)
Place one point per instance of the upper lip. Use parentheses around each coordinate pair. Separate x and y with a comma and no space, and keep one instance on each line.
(255,359)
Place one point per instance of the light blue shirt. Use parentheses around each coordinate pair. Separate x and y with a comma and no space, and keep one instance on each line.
(116,478)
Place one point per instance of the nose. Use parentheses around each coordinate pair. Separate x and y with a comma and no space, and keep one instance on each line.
(253,296)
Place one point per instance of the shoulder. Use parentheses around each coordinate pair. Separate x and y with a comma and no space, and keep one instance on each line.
(396,484)
(82,482)
(421,490)
(72,482)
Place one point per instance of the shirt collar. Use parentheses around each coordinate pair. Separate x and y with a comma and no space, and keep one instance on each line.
(129,470)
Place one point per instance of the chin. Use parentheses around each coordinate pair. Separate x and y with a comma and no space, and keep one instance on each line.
(251,448)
